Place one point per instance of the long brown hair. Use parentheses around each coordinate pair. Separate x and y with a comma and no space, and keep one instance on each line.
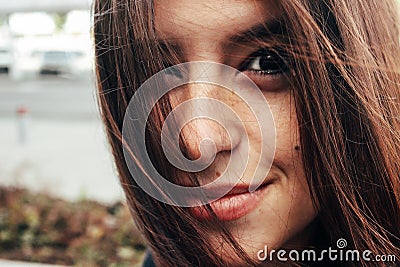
(345,57)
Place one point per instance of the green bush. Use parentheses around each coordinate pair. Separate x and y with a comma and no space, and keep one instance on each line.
(40,228)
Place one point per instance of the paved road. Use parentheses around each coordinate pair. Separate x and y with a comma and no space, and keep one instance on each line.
(50,97)
(65,152)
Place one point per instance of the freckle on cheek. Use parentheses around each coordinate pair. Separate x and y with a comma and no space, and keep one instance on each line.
(218,174)
(297,148)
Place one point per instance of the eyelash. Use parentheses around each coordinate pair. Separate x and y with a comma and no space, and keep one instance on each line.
(277,57)
(274,60)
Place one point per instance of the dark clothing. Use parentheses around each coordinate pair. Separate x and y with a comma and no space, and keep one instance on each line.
(148,260)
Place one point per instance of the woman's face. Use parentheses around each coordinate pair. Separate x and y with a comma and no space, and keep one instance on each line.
(279,213)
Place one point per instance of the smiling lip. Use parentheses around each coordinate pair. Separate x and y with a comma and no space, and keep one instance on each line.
(237,203)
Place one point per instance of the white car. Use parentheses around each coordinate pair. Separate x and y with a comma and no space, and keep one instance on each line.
(69,56)
(58,62)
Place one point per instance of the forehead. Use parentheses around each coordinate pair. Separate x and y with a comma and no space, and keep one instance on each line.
(202,19)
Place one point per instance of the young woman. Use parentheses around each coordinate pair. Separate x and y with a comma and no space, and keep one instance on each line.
(330,73)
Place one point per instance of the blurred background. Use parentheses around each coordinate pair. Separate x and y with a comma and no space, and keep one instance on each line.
(51,137)
(56,171)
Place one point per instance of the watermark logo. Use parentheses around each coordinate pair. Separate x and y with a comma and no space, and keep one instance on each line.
(340,253)
(199,73)
(341,243)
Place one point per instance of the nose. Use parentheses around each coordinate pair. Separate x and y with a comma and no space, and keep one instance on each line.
(212,127)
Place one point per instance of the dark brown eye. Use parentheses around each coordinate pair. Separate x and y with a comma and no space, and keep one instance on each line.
(266,62)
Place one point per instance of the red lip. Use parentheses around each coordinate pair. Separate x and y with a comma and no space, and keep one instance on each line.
(237,203)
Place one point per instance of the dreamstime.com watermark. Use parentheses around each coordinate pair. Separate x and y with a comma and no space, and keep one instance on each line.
(340,253)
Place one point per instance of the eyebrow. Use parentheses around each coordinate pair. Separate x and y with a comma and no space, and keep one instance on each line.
(259,33)
(263,31)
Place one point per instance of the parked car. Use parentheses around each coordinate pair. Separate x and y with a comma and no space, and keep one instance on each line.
(69,56)
(53,62)
(58,62)
(5,59)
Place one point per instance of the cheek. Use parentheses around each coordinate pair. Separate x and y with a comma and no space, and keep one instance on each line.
(287,133)
(292,197)
(287,158)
